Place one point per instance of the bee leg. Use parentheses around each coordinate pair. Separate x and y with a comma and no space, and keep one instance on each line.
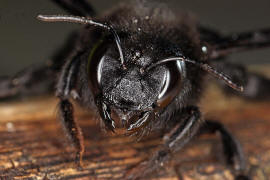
(76,7)
(72,128)
(256,86)
(37,79)
(231,147)
(66,85)
(31,81)
(179,136)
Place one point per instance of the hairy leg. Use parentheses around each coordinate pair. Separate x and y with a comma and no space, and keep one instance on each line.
(66,88)
(181,134)
(37,79)
(177,138)
(72,128)
(231,147)
(27,82)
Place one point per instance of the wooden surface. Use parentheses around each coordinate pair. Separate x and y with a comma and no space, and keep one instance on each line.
(32,145)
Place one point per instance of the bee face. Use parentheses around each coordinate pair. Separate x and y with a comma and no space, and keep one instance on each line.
(135,88)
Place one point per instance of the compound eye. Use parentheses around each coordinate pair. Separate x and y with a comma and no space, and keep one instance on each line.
(172,83)
(95,62)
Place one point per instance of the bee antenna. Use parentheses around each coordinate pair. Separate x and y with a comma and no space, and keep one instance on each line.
(87,21)
(221,76)
(203,66)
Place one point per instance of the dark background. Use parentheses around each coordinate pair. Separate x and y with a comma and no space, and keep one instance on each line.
(24,40)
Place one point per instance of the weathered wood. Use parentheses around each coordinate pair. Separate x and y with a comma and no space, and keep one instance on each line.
(32,145)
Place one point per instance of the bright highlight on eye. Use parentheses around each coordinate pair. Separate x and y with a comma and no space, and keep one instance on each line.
(172,82)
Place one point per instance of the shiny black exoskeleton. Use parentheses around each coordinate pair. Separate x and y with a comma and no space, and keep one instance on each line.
(147,65)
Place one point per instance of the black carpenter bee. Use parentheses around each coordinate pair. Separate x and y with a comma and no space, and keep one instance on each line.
(145,64)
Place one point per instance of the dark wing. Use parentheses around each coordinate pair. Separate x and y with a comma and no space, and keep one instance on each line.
(222,45)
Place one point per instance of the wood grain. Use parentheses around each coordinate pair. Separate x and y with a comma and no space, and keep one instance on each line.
(32,145)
